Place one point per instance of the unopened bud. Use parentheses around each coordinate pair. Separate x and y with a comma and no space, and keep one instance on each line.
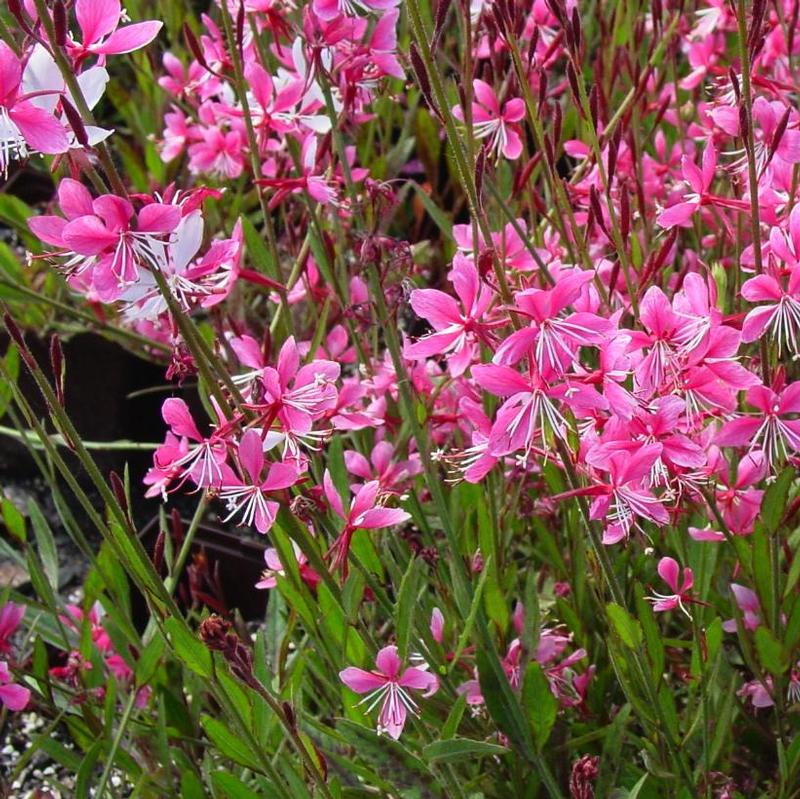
(60,23)
(75,122)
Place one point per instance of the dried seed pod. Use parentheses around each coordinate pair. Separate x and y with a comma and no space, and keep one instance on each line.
(60,23)
(625,216)
(421,73)
(572,77)
(480,169)
(744,128)
(594,105)
(557,122)
(75,122)
(576,30)
(118,488)
(778,134)
(240,25)
(58,366)
(442,7)
(734,78)
(158,551)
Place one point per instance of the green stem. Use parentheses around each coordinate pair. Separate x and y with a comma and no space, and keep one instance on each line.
(105,327)
(752,169)
(58,440)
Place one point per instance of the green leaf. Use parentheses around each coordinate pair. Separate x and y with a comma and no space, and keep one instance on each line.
(652,634)
(471,616)
(713,639)
(228,744)
(234,788)
(433,210)
(84,777)
(610,760)
(39,580)
(454,718)
(774,505)
(191,651)
(539,702)
(628,629)
(338,469)
(45,544)
(15,213)
(149,659)
(257,252)
(11,359)
(191,786)
(461,749)
(762,569)
(407,605)
(771,653)
(500,700)
(792,633)
(428,143)
(636,790)
(15,521)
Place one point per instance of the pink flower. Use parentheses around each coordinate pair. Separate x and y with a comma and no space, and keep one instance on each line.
(507,245)
(492,122)
(781,314)
(24,126)
(553,336)
(10,617)
(766,116)
(774,430)
(388,686)
(218,153)
(12,695)
(250,496)
(274,568)
(296,396)
(699,183)
(750,607)
(663,422)
(737,500)
(666,332)
(364,513)
(528,412)
(179,80)
(284,108)
(330,9)
(99,23)
(107,237)
(76,618)
(669,570)
(703,55)
(177,134)
(458,330)
(624,498)
(471,691)
(201,461)
(382,467)
(116,664)
(475,461)
(437,625)
(759,693)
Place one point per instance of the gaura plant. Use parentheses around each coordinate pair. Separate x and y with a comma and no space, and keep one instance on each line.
(479,322)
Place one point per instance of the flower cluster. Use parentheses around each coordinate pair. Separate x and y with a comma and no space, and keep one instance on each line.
(514,320)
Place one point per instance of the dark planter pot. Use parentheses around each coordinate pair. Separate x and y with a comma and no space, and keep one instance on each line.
(221,572)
